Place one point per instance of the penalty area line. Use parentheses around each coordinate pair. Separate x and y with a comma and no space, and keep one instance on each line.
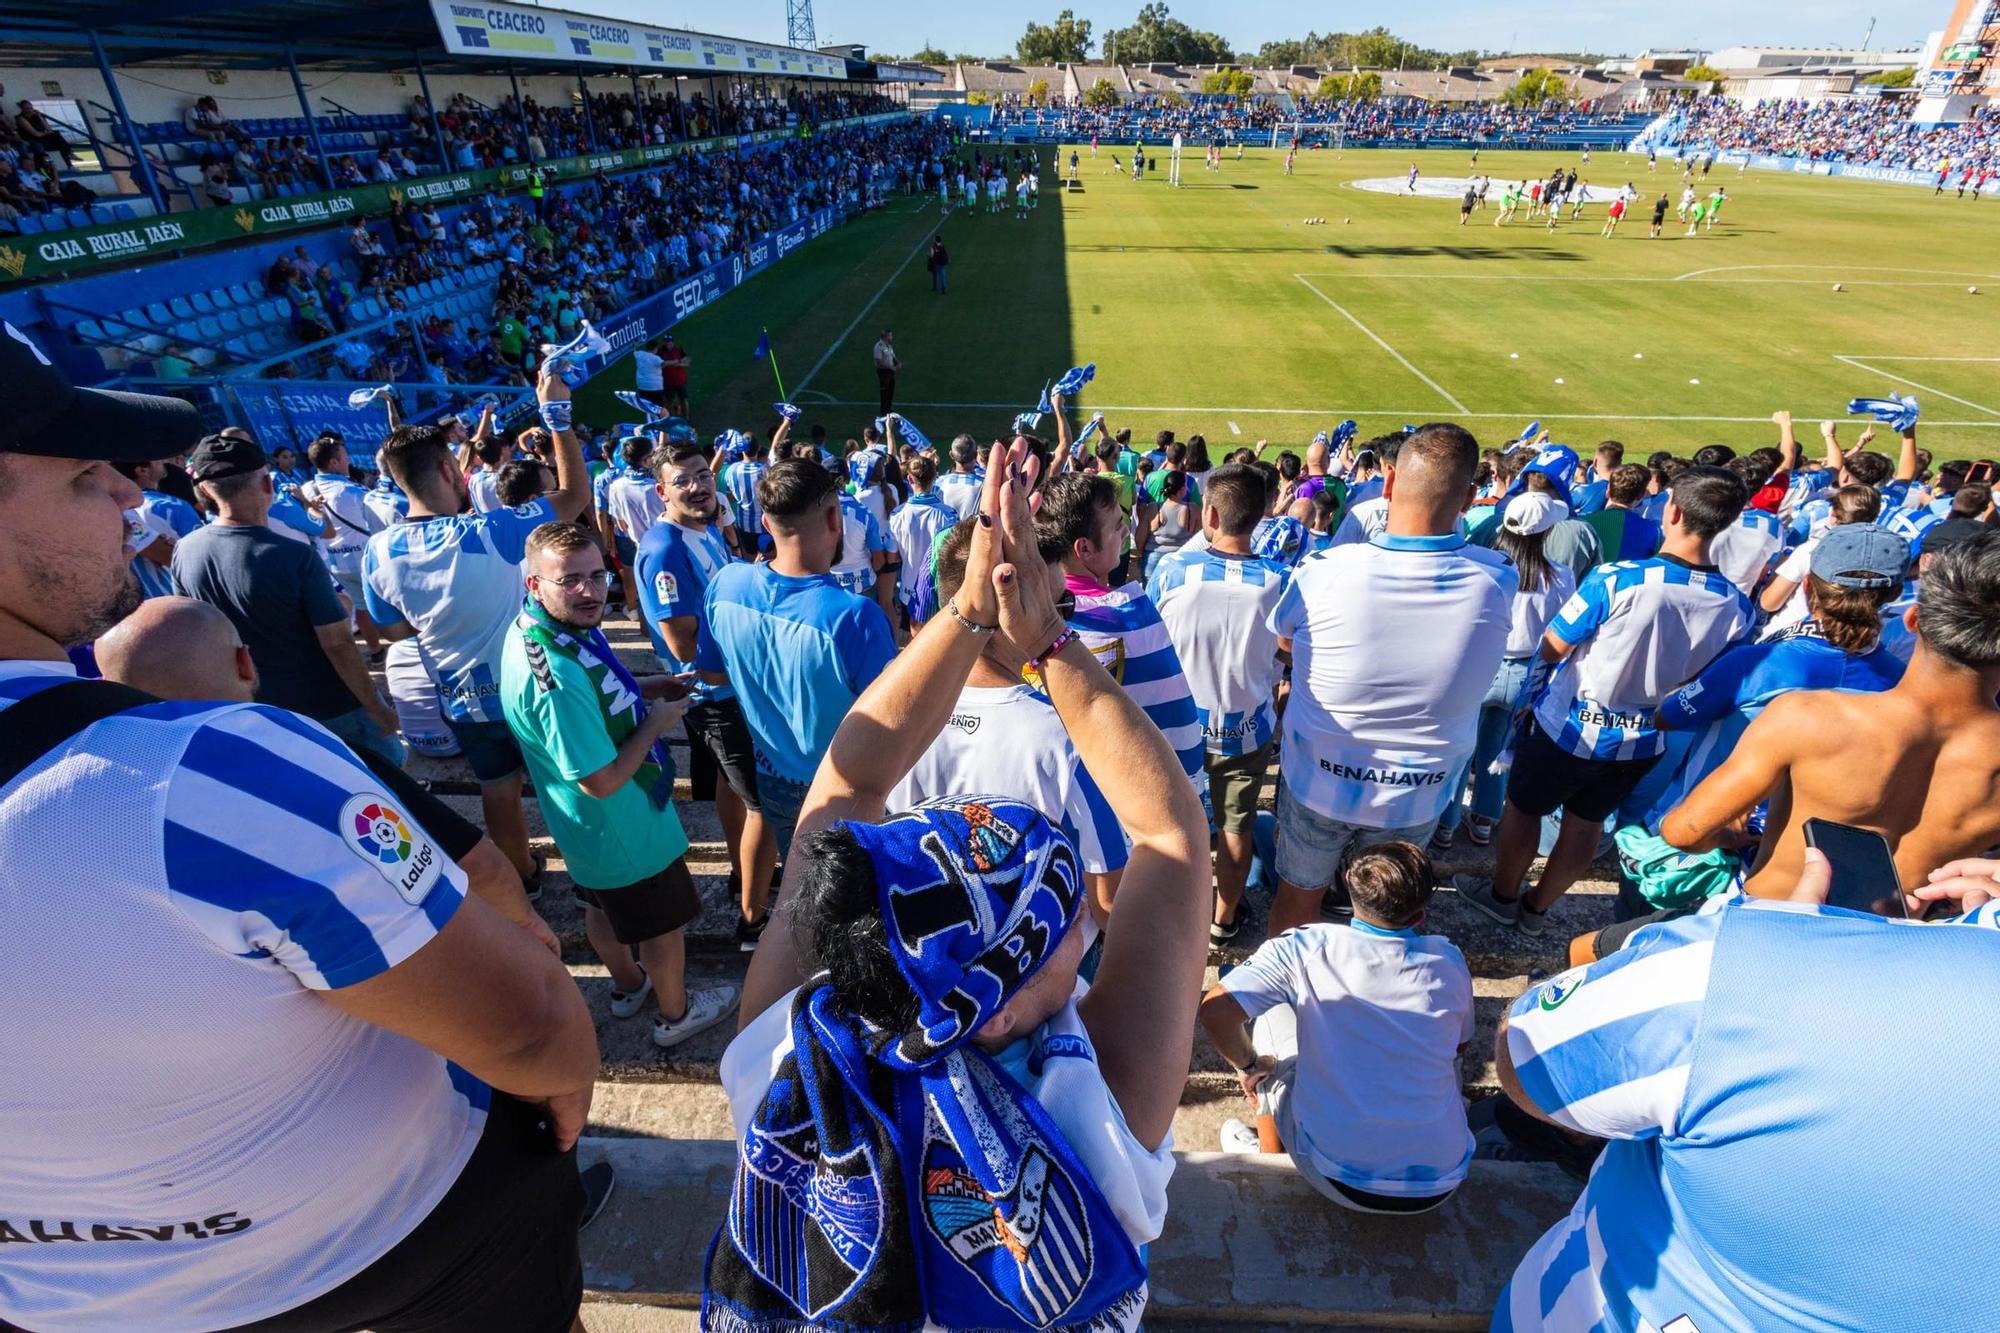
(1401,360)
(1859,364)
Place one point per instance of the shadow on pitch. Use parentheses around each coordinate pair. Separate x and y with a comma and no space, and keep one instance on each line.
(1470,253)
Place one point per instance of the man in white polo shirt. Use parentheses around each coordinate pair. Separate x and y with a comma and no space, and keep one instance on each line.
(1393,642)
(1216,601)
(1635,631)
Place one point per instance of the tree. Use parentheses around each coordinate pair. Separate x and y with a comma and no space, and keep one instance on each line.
(1155,35)
(1536,87)
(1037,93)
(930,55)
(1362,87)
(1228,82)
(977,99)
(1065,40)
(1378,47)
(1893,78)
(1101,96)
(1707,74)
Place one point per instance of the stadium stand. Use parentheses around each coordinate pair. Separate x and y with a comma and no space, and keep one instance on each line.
(1870,131)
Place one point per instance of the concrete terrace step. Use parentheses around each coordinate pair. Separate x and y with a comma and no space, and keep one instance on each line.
(1247,1243)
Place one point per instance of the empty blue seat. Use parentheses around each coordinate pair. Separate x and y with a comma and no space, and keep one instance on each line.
(244,296)
(78,217)
(113,329)
(186,331)
(270,310)
(201,303)
(124,212)
(179,305)
(29,224)
(231,321)
(90,330)
(238,348)
(209,327)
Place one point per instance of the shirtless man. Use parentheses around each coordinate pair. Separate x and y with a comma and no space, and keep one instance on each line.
(1919,763)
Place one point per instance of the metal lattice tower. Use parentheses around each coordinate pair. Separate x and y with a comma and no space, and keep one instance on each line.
(799,24)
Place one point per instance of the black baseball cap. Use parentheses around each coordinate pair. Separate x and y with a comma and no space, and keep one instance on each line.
(1942,536)
(219,456)
(42,413)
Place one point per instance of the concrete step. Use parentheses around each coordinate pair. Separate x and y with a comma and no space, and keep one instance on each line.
(1247,1243)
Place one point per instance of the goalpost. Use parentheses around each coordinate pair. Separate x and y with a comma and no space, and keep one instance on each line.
(1334,136)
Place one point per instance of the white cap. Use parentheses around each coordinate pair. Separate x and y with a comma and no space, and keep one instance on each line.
(1531,512)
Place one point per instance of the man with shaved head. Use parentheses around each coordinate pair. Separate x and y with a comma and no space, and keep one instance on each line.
(1393,643)
(182,648)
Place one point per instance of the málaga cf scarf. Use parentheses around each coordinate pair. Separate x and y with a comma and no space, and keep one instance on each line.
(617,693)
(895,1178)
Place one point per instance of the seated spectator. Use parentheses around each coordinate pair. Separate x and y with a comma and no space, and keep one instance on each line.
(951,937)
(207,120)
(35,130)
(1347,1039)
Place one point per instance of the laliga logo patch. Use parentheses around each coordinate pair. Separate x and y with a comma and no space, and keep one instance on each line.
(382,836)
(665,586)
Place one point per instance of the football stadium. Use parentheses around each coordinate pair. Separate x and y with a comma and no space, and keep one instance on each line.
(1166,678)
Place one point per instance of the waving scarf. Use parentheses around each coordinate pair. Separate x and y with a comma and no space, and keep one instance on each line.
(789,411)
(363,397)
(588,342)
(1071,380)
(906,428)
(616,692)
(890,1178)
(1898,411)
(652,411)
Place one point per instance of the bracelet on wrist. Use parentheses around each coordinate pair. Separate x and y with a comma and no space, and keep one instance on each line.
(971,625)
(558,415)
(1061,641)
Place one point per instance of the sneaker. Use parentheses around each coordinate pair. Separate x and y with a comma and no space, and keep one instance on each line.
(1530,921)
(1477,890)
(1336,906)
(1479,831)
(597,1179)
(705,1008)
(533,883)
(1221,934)
(1239,1137)
(625,1003)
(1441,841)
(749,932)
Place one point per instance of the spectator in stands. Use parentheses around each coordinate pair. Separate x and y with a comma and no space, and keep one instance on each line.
(1622,532)
(454,583)
(34,129)
(1007,889)
(278,595)
(1347,1038)
(207,120)
(1368,753)
(1917,763)
(591,734)
(1632,633)
(409,1006)
(1216,602)
(797,648)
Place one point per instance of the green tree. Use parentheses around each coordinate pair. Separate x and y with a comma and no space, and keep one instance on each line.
(1707,74)
(1101,96)
(1536,87)
(930,55)
(1155,35)
(1067,39)
(1229,82)
(1037,93)
(977,99)
(1280,54)
(1893,78)
(1362,87)
(963,58)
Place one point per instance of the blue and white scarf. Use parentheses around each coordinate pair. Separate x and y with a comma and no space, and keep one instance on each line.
(588,342)
(789,411)
(1070,381)
(891,1179)
(905,427)
(1898,411)
(362,397)
(649,409)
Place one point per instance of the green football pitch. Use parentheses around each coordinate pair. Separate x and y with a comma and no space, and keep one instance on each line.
(1216,309)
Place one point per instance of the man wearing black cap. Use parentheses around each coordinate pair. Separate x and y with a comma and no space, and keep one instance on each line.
(256,1026)
(282,601)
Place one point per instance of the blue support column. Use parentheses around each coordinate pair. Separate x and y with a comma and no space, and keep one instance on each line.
(312,122)
(520,113)
(437,130)
(141,167)
(589,120)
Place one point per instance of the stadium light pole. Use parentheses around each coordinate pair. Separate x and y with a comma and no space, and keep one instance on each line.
(141,166)
(312,125)
(437,129)
(520,112)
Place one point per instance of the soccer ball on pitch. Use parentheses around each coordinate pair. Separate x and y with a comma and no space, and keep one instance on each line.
(1972,291)
(1837,287)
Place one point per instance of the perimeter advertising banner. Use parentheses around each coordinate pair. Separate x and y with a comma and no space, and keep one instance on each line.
(532,33)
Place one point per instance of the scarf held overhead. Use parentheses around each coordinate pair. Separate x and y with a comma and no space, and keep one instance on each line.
(893,1179)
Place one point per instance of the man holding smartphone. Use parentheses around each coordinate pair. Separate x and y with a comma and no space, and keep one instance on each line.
(591,735)
(1918,763)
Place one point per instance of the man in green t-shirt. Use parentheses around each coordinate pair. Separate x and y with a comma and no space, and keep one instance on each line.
(512,336)
(591,735)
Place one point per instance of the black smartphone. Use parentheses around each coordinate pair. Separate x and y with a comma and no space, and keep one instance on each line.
(1981,473)
(1864,871)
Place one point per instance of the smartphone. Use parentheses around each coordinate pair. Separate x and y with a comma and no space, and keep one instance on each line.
(1981,473)
(1864,871)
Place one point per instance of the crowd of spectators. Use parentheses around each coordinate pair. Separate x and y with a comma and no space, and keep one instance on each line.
(1876,131)
(1157,117)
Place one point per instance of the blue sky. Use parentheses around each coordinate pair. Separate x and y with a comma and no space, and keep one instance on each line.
(1613,26)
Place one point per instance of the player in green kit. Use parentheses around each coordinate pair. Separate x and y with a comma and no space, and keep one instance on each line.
(1510,200)
(1715,203)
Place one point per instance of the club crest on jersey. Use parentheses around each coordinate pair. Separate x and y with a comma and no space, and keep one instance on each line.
(809,1225)
(1558,989)
(386,839)
(1030,1247)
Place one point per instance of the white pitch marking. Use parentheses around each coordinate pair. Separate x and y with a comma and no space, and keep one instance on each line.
(1564,277)
(1402,360)
(1870,356)
(1407,414)
(1835,268)
(1877,370)
(1234,429)
(861,314)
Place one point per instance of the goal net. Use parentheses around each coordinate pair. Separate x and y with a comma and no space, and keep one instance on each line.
(1308,135)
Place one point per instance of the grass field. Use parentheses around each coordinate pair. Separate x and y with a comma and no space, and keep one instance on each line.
(1213,308)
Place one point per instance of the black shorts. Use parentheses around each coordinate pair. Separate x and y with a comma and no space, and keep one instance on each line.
(649,909)
(1546,776)
(719,744)
(498,1252)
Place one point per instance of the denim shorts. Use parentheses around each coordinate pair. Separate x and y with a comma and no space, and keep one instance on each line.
(1312,847)
(489,747)
(361,733)
(781,799)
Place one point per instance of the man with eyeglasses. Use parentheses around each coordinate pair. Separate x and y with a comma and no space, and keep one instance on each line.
(677,559)
(592,737)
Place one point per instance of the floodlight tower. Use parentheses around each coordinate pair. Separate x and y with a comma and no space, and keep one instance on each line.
(799,24)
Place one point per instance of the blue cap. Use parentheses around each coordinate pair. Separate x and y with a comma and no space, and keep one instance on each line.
(1861,555)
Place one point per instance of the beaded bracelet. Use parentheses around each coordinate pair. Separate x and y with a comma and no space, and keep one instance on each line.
(1062,641)
(973,626)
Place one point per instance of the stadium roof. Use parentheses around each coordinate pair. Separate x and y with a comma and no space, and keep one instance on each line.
(234,34)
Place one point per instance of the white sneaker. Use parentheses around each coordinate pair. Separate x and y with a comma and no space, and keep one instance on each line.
(706,1007)
(626,1003)
(1238,1137)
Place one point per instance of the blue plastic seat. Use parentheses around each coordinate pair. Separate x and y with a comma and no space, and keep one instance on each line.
(186,331)
(90,330)
(242,294)
(231,321)
(157,313)
(29,224)
(201,303)
(179,305)
(209,327)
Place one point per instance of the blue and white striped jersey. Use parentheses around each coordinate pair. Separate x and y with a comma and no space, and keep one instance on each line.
(1744,549)
(1912,524)
(632,502)
(1639,629)
(458,581)
(739,483)
(1217,610)
(197,1117)
(1123,628)
(163,515)
(388,502)
(961,490)
(915,527)
(1749,1184)
(860,538)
